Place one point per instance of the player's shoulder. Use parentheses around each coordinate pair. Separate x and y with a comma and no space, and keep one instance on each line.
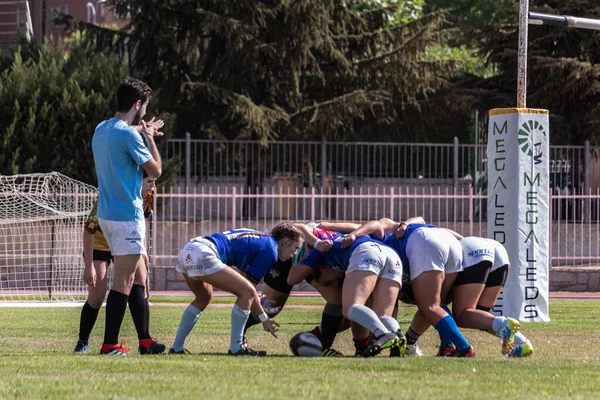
(116,125)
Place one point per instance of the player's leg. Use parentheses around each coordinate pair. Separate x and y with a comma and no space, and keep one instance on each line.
(494,285)
(466,295)
(140,312)
(91,308)
(275,292)
(202,296)
(385,297)
(127,250)
(332,320)
(417,327)
(431,252)
(199,259)
(231,281)
(358,286)
(366,264)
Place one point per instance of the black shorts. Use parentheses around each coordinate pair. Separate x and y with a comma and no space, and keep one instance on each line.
(102,255)
(477,273)
(277,277)
(497,277)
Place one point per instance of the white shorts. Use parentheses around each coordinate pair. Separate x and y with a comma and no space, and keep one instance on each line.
(199,257)
(433,249)
(475,250)
(377,258)
(124,237)
(500,255)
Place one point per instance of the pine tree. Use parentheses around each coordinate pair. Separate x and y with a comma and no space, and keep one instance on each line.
(284,69)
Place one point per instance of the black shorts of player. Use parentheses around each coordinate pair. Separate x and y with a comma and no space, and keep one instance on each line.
(497,277)
(277,277)
(477,273)
(102,255)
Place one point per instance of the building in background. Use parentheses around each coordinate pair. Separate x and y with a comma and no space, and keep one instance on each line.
(36,18)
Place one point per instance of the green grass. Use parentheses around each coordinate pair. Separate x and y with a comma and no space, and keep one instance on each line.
(36,361)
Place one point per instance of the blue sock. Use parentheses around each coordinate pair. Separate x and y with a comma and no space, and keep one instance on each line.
(445,308)
(239,318)
(188,320)
(449,333)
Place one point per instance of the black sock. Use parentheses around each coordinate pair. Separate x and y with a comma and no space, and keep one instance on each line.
(147,318)
(361,344)
(87,321)
(252,320)
(116,304)
(411,336)
(330,324)
(137,307)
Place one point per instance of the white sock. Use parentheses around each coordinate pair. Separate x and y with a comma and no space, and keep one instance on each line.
(366,317)
(239,318)
(498,324)
(520,339)
(391,323)
(188,320)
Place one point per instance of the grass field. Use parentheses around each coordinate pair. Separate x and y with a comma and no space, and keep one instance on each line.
(36,361)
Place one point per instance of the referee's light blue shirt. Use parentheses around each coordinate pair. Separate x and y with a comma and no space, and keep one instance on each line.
(118,153)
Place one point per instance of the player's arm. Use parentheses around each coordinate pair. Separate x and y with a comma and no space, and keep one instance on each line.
(89,273)
(298,273)
(153,166)
(370,228)
(399,229)
(269,324)
(303,269)
(256,272)
(342,227)
(312,240)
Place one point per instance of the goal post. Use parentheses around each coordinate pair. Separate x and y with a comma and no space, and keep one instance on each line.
(518,184)
(41,226)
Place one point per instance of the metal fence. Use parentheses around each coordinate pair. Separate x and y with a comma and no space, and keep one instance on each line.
(332,164)
(180,216)
(232,184)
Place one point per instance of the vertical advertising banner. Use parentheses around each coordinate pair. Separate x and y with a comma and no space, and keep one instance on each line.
(518,207)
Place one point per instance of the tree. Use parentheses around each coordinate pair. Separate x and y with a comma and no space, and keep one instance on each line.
(563,70)
(50,103)
(284,69)
(51,100)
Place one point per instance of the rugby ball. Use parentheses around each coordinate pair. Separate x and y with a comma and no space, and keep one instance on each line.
(306,344)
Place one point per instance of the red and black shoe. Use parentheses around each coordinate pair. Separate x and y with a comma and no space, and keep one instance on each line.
(150,346)
(464,353)
(446,350)
(114,350)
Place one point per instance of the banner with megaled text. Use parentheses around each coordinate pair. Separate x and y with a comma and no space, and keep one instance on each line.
(519,207)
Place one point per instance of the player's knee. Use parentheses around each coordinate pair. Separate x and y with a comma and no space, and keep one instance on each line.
(346,310)
(483,308)
(247,293)
(459,319)
(202,300)
(95,300)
